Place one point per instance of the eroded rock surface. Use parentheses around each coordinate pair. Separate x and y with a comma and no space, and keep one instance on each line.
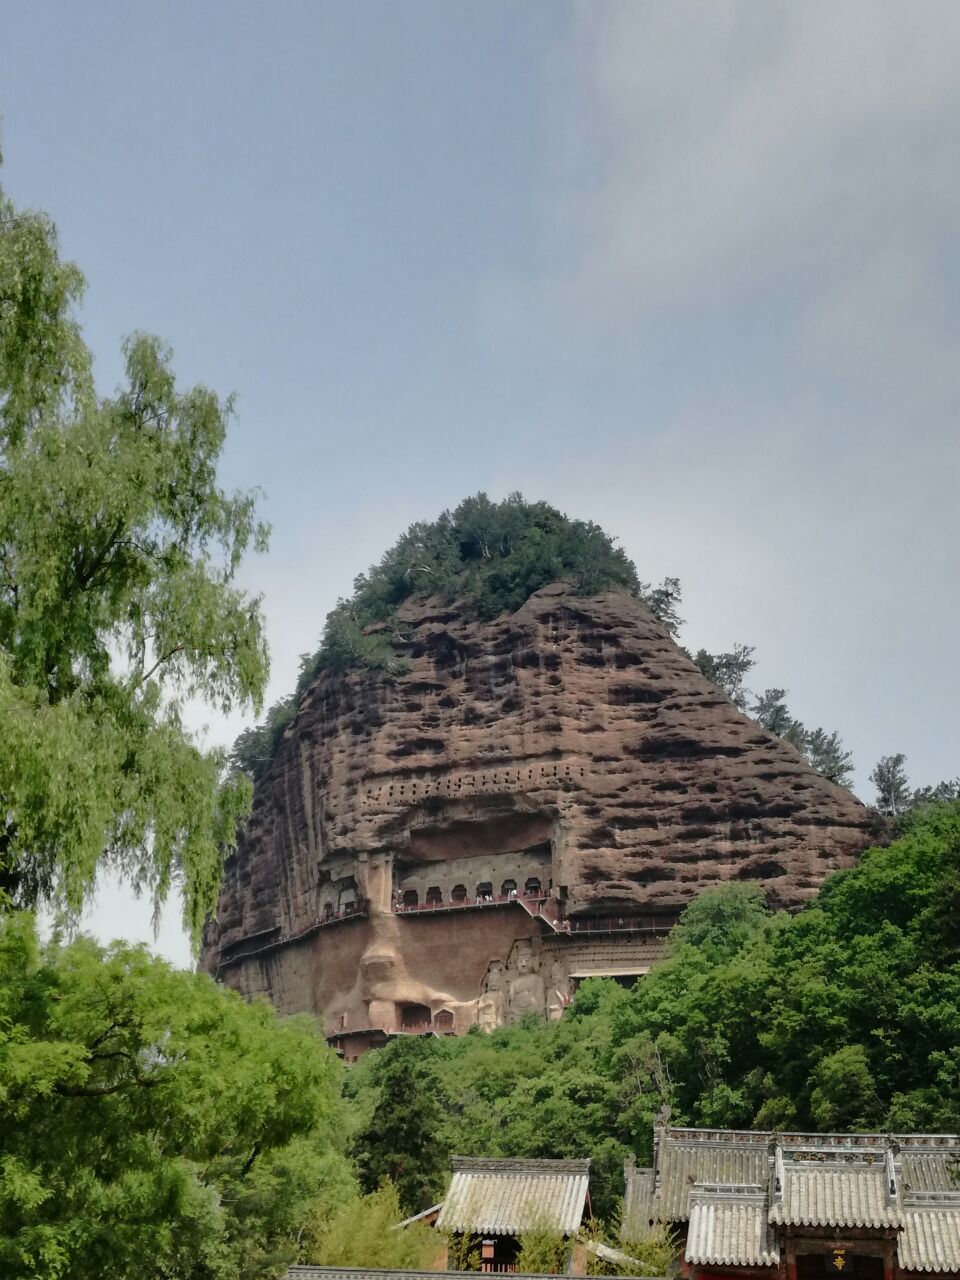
(568,752)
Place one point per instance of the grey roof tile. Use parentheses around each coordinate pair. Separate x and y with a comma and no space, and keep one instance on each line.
(723,1182)
(506,1197)
(687,1156)
(930,1239)
(728,1227)
(639,1202)
(835,1195)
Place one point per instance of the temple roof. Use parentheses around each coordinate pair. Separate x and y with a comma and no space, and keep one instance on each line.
(740,1190)
(836,1195)
(728,1226)
(506,1197)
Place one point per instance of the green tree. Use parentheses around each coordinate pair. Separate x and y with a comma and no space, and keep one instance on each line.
(118,553)
(728,671)
(893,789)
(769,709)
(935,794)
(489,557)
(544,1249)
(844,1093)
(826,753)
(844,1014)
(664,603)
(152,1123)
(402,1143)
(362,1232)
(655,1248)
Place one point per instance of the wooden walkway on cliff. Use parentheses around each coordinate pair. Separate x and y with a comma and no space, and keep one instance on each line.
(575,926)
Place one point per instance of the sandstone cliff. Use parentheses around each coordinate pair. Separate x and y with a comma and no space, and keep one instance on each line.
(569,749)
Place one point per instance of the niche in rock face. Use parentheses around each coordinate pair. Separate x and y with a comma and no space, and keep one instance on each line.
(478,848)
(414,1016)
(478,827)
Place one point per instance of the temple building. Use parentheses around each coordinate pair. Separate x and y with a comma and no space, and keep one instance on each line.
(492,1202)
(801,1206)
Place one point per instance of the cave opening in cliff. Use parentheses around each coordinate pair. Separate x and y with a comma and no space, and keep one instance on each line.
(415,1017)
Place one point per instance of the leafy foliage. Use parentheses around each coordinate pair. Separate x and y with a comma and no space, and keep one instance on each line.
(152,1123)
(824,751)
(843,1016)
(897,801)
(402,1143)
(117,558)
(728,671)
(360,1233)
(655,1249)
(538,1090)
(543,1250)
(893,790)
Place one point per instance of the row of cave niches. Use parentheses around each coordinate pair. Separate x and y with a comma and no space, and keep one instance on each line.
(531,894)
(470,784)
(483,893)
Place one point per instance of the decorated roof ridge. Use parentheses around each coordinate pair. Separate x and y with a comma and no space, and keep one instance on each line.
(728,1190)
(483,1164)
(814,1141)
(930,1198)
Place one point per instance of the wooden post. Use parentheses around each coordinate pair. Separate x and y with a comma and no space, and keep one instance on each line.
(791,1260)
(889,1261)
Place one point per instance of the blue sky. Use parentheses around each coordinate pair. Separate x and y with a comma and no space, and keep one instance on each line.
(688,270)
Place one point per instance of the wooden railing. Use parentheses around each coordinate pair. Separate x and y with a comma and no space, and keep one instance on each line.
(527,900)
(617,924)
(245,949)
(361,1028)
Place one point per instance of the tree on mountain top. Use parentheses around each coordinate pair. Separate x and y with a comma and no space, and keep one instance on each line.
(118,553)
(490,556)
(893,789)
(824,751)
(728,671)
